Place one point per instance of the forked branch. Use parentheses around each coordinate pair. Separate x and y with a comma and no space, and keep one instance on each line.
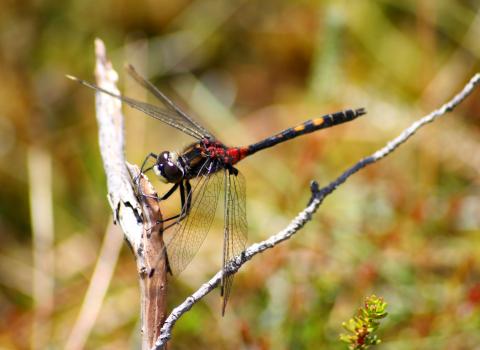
(318,195)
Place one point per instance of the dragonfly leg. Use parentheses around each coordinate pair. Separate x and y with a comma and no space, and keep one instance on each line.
(232,170)
(166,196)
(140,191)
(179,217)
(186,203)
(169,192)
(136,180)
(150,155)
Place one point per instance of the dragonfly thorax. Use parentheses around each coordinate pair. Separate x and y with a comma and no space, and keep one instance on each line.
(168,167)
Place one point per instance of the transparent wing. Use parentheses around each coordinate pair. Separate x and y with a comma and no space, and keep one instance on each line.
(189,234)
(166,116)
(165,100)
(235,229)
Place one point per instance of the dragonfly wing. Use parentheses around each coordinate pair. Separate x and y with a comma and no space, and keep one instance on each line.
(235,229)
(165,100)
(189,233)
(166,116)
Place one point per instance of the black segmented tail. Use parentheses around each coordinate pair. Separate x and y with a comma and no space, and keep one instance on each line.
(309,126)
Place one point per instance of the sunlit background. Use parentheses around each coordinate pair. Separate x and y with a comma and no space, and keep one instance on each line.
(406,229)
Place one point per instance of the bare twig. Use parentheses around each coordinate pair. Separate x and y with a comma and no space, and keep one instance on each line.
(137,220)
(318,195)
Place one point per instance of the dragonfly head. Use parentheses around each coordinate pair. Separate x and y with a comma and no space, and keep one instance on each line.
(168,167)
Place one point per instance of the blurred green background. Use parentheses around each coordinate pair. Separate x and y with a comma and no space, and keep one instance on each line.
(406,229)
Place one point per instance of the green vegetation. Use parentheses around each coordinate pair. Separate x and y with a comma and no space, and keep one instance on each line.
(362,328)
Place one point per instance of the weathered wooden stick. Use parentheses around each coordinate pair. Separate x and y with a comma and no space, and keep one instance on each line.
(138,217)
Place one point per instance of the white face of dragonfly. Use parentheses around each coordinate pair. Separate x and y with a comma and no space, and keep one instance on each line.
(168,167)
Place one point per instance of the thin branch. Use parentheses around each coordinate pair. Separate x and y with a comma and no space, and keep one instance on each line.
(318,195)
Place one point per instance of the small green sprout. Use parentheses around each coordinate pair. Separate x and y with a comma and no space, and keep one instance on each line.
(363,326)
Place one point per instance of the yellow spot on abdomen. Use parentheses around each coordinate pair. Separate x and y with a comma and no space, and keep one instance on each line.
(318,121)
(299,128)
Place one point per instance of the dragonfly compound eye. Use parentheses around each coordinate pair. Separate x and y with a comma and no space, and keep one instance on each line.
(167,168)
(172,172)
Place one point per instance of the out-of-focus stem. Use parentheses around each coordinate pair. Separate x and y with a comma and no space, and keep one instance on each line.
(41,213)
(102,275)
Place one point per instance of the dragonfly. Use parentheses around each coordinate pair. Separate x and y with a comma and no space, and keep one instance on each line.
(204,171)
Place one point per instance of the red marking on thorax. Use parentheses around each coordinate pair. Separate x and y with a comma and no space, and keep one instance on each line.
(230,155)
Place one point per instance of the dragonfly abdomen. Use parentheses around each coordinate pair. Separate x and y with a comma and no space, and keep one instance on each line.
(309,126)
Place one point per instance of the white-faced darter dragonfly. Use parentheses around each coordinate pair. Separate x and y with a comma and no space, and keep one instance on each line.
(201,171)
